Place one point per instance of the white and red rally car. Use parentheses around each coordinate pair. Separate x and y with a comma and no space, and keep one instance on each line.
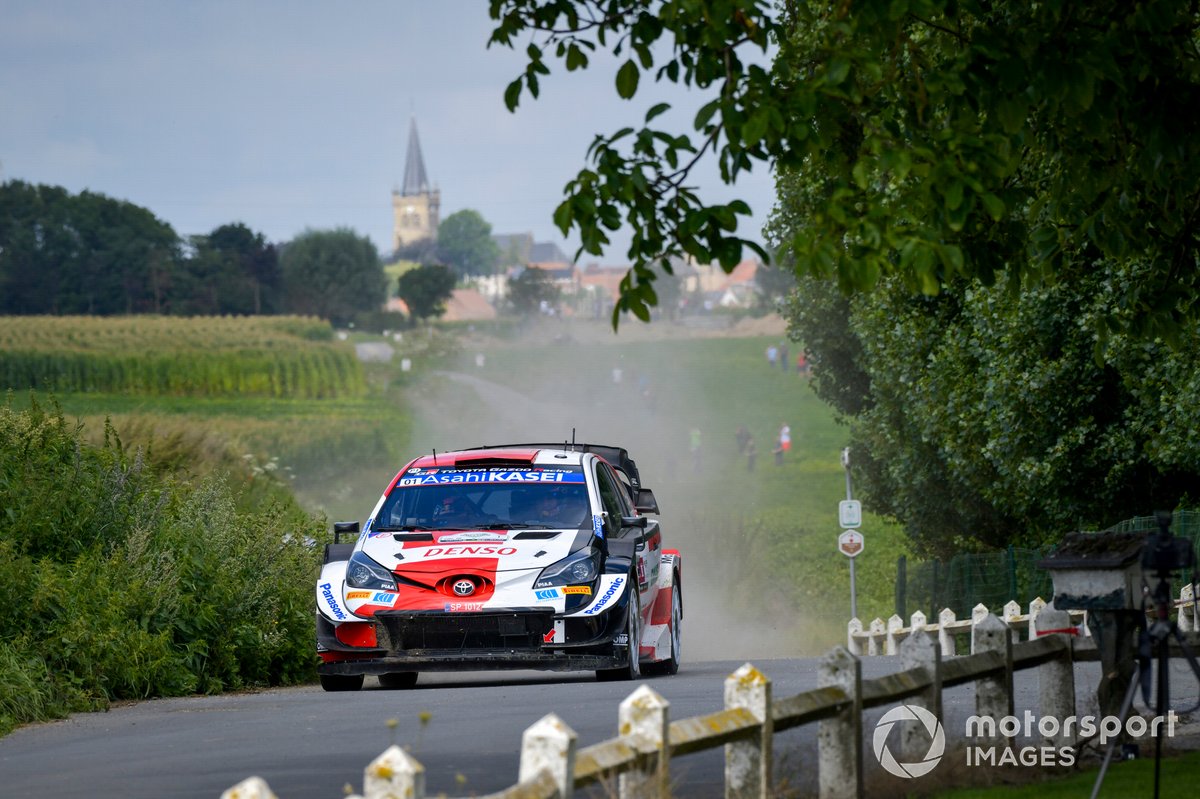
(524,556)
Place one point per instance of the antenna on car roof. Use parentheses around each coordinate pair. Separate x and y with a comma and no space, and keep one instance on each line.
(572,438)
(435,456)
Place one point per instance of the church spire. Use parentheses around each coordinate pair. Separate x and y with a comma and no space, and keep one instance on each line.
(415,181)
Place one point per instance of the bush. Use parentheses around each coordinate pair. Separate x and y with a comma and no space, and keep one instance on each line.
(136,583)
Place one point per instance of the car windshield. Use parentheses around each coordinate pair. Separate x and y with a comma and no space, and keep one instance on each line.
(491,499)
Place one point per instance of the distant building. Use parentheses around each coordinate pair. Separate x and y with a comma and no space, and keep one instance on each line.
(415,206)
(519,249)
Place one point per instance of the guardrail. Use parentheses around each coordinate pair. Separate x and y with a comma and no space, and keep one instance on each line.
(639,758)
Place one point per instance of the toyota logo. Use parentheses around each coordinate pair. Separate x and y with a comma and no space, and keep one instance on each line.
(464,587)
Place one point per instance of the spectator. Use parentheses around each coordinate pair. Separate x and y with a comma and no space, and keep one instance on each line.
(784,361)
(785,439)
(743,437)
(772,354)
(802,364)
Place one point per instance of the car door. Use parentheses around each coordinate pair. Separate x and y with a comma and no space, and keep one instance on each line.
(648,556)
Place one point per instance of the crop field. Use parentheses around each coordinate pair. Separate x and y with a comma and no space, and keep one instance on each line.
(169,357)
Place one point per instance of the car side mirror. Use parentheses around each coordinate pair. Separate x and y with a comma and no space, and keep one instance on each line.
(344,528)
(634,521)
(646,503)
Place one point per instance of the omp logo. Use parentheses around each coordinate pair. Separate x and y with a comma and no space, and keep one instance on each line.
(937,741)
(334,608)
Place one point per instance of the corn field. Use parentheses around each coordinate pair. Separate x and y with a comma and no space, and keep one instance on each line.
(280,357)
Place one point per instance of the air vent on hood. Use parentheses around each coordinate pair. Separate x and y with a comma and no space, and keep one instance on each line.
(413,536)
(536,535)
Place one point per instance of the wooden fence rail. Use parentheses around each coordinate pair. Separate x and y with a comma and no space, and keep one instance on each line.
(639,758)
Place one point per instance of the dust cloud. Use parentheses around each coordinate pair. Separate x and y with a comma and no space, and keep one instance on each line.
(468,405)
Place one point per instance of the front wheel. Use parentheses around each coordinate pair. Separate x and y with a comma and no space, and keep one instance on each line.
(671,664)
(633,632)
(341,682)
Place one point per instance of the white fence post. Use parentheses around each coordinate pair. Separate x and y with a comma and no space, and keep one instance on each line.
(1187,610)
(748,762)
(394,773)
(978,614)
(839,739)
(878,631)
(994,695)
(1056,679)
(549,744)
(644,719)
(922,651)
(1036,607)
(249,788)
(946,638)
(894,625)
(854,629)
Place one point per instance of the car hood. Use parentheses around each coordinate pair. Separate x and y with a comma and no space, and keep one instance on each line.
(441,551)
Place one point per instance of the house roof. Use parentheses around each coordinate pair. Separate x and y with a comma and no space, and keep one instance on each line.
(468,305)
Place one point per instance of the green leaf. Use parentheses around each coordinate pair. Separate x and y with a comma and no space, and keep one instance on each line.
(656,110)
(576,58)
(627,79)
(993,205)
(512,95)
(953,195)
(837,71)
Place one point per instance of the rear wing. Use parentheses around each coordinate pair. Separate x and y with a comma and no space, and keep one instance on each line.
(618,457)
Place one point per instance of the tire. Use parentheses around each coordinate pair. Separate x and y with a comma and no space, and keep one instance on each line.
(398,680)
(671,664)
(633,629)
(341,682)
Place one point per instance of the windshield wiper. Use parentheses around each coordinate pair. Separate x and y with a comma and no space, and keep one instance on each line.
(519,526)
(408,528)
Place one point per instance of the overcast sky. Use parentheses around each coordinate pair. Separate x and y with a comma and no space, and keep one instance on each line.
(294,114)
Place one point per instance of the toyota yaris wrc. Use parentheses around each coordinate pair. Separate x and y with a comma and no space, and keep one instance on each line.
(527,556)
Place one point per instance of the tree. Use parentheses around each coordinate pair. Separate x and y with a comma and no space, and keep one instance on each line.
(981,417)
(82,254)
(333,274)
(465,242)
(927,139)
(232,270)
(426,289)
(530,289)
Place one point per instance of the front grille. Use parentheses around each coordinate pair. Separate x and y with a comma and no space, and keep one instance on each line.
(407,630)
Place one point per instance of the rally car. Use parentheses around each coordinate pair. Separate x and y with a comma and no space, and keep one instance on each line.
(522,556)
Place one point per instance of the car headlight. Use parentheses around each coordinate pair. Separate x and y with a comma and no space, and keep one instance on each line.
(582,567)
(362,572)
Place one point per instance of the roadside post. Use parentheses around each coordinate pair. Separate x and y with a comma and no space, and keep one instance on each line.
(850,542)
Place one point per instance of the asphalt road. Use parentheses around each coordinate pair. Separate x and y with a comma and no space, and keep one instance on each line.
(309,744)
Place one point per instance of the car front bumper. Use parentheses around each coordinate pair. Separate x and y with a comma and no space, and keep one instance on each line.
(511,638)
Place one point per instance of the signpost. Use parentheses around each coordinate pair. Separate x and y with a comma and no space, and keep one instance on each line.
(850,542)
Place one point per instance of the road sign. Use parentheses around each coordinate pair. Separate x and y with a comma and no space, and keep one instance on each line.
(850,513)
(850,543)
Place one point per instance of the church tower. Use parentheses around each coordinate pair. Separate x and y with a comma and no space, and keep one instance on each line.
(415,207)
